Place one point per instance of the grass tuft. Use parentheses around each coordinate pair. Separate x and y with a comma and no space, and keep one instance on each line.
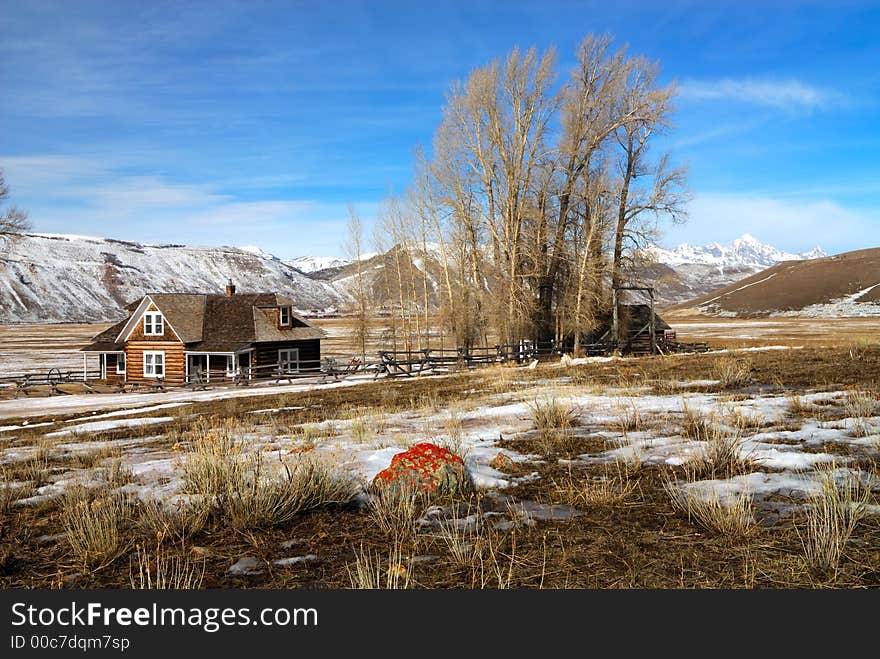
(733,373)
(732,516)
(94,522)
(159,569)
(831,518)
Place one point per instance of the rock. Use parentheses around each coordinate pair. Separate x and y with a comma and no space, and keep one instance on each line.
(294,560)
(50,539)
(247,566)
(426,468)
(502,462)
(287,544)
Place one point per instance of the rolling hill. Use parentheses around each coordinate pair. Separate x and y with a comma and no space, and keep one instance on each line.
(847,284)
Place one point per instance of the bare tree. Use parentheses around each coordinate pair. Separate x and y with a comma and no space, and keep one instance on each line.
(648,189)
(354,251)
(488,152)
(541,195)
(13,219)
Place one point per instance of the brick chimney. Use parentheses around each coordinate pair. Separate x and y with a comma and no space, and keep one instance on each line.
(230,288)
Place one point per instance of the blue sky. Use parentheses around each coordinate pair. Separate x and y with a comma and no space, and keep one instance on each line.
(243,123)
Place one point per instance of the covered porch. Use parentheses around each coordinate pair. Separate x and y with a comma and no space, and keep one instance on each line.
(205,367)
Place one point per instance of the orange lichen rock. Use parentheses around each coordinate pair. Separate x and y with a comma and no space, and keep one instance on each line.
(425,468)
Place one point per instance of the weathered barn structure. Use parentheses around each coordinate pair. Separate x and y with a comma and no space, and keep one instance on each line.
(182,337)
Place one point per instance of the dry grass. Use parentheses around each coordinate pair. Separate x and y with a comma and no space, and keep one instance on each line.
(831,518)
(629,418)
(860,405)
(161,569)
(733,373)
(266,499)
(743,419)
(611,488)
(246,492)
(180,521)
(722,455)
(696,424)
(461,534)
(36,470)
(10,493)
(552,414)
(553,420)
(798,407)
(94,522)
(370,571)
(363,430)
(732,516)
(92,458)
(396,512)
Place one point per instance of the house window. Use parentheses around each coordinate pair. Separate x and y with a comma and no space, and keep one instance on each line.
(284,316)
(120,363)
(154,364)
(288,360)
(154,324)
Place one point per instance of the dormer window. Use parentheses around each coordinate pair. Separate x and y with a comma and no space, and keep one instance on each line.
(154,324)
(284,316)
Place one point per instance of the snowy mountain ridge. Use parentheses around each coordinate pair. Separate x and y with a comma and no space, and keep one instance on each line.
(65,278)
(68,278)
(744,252)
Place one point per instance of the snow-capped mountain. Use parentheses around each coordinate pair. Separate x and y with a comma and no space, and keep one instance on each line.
(309,264)
(689,271)
(62,278)
(744,252)
(66,278)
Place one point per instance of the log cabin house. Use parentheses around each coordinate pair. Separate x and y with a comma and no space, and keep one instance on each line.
(183,337)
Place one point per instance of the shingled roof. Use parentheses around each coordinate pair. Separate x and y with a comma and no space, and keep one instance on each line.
(213,323)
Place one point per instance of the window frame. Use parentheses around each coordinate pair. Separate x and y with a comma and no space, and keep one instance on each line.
(153,363)
(281,361)
(282,310)
(156,321)
(122,358)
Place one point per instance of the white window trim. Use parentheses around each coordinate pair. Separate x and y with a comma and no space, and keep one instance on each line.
(153,374)
(290,361)
(230,361)
(281,311)
(156,320)
(124,357)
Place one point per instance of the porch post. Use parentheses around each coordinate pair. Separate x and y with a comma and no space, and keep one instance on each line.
(85,354)
(208,367)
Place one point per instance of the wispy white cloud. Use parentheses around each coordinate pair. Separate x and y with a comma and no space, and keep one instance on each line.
(791,224)
(86,195)
(790,94)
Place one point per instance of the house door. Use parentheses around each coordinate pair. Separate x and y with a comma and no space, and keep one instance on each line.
(197,368)
(288,360)
(244,364)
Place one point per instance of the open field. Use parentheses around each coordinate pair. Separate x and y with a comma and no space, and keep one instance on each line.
(26,348)
(774,331)
(736,469)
